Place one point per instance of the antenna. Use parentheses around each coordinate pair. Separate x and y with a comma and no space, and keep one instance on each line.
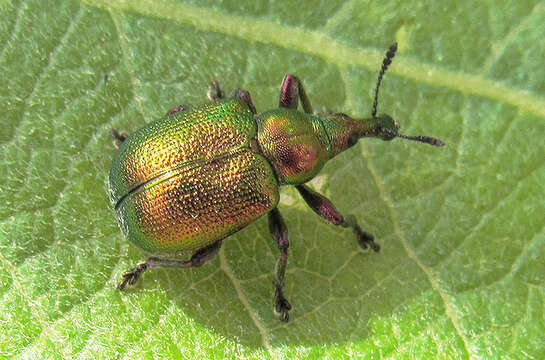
(425,139)
(393,132)
(385,63)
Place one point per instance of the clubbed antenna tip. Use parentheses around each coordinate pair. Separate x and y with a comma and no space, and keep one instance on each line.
(385,63)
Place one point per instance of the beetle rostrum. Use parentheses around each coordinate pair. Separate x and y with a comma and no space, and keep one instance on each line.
(183,183)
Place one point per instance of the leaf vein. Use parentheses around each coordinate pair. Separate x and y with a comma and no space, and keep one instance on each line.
(14,29)
(44,71)
(336,18)
(127,60)
(488,213)
(74,307)
(499,49)
(448,302)
(18,288)
(52,207)
(244,300)
(513,269)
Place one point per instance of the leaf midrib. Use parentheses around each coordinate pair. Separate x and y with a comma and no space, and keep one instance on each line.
(329,49)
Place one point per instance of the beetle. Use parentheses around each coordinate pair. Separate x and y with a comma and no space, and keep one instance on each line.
(182,184)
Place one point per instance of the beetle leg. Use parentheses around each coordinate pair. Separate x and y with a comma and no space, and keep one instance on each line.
(325,208)
(292,90)
(279,232)
(214,91)
(245,95)
(119,137)
(200,257)
(176,109)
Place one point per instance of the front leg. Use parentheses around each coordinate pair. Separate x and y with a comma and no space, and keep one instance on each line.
(325,208)
(293,90)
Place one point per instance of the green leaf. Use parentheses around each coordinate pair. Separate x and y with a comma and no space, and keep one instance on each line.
(461,271)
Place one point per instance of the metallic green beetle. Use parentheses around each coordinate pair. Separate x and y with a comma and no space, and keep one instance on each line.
(182,184)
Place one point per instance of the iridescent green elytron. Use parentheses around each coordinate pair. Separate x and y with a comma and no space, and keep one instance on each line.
(191,178)
(187,181)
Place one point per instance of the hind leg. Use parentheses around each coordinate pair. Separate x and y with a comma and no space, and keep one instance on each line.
(200,257)
(279,232)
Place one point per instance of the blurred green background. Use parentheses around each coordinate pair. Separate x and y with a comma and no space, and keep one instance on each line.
(461,271)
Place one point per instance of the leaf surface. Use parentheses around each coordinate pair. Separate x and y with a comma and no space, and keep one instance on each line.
(461,271)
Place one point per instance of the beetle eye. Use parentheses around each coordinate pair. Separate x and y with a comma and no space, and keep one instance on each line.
(352,139)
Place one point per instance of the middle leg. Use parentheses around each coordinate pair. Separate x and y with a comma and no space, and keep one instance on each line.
(325,208)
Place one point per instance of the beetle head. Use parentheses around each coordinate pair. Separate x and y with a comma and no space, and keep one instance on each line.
(386,127)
